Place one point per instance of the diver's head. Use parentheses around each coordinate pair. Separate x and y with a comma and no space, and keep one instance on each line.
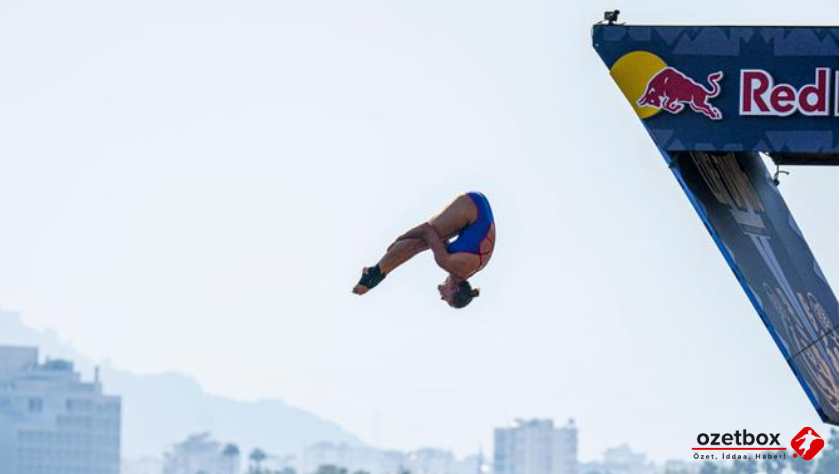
(457,294)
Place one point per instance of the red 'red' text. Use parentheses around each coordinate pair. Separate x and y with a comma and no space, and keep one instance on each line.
(761,96)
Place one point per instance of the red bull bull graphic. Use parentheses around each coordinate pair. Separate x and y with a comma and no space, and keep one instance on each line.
(671,90)
(728,93)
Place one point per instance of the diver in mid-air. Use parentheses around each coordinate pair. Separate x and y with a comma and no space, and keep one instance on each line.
(470,218)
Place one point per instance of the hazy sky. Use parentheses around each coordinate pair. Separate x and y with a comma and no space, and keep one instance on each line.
(195,186)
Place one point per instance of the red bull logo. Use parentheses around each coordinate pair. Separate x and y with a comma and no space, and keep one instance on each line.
(671,90)
(651,86)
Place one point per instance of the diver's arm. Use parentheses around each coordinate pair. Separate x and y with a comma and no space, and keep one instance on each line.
(443,258)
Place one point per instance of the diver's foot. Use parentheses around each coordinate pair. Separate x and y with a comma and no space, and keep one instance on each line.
(371,276)
(361,289)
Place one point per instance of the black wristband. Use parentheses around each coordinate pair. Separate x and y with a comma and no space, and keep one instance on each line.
(372,277)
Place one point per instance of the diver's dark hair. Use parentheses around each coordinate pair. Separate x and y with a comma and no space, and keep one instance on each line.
(464,295)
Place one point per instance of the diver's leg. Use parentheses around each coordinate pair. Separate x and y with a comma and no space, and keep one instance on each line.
(454,217)
(398,253)
(448,222)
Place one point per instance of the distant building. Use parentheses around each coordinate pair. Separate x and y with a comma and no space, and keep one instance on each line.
(472,464)
(287,464)
(566,449)
(623,460)
(200,453)
(354,458)
(536,447)
(51,422)
(350,457)
(392,462)
(431,461)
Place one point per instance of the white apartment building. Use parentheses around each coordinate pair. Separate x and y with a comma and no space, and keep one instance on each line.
(51,422)
(200,453)
(536,447)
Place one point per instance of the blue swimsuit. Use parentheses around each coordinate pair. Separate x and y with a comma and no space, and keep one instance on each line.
(470,238)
